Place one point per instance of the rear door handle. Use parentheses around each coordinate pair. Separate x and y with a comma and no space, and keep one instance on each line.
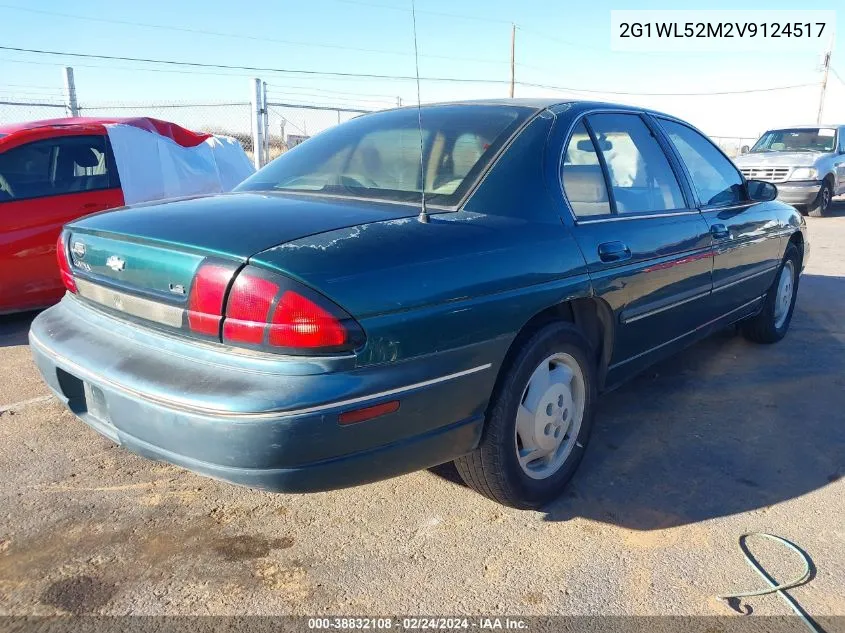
(614,252)
(719,232)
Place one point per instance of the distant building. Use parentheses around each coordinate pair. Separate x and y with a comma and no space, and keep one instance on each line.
(295,139)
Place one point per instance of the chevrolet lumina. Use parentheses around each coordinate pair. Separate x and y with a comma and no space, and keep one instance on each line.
(318,328)
(806,162)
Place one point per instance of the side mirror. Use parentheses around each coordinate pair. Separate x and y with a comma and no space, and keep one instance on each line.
(762,191)
(744,149)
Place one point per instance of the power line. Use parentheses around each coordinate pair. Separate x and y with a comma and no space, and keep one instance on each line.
(263,69)
(183,29)
(474,80)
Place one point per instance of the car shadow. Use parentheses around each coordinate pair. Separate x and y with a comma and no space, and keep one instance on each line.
(837,208)
(14,328)
(724,427)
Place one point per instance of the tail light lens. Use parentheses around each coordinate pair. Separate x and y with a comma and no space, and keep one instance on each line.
(64,263)
(205,303)
(269,312)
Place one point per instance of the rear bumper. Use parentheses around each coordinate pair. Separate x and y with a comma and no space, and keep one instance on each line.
(264,423)
(799,193)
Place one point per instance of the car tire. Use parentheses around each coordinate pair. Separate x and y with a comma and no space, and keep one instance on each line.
(822,203)
(542,405)
(772,322)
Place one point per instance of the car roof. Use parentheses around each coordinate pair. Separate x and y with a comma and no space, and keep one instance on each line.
(17,133)
(542,103)
(806,126)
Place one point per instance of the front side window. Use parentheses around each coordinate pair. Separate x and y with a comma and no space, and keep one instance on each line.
(714,177)
(70,164)
(639,173)
(582,176)
(378,155)
(816,139)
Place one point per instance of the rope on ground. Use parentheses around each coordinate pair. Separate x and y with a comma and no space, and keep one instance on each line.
(773,586)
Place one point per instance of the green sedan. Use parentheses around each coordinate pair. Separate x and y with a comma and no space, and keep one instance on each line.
(415,287)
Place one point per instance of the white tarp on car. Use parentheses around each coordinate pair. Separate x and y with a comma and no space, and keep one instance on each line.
(153,166)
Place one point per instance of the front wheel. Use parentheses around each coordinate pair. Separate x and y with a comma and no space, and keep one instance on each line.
(538,423)
(771,324)
(823,201)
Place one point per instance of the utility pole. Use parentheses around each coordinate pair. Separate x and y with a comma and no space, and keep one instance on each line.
(398,102)
(513,60)
(265,127)
(257,122)
(826,71)
(71,106)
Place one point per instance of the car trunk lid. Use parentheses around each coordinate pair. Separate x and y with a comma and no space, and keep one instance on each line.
(141,262)
(155,249)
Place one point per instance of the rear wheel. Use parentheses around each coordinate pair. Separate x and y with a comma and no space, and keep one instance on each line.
(822,203)
(538,423)
(771,324)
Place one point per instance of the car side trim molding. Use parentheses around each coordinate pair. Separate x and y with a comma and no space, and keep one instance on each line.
(685,334)
(731,284)
(85,374)
(636,317)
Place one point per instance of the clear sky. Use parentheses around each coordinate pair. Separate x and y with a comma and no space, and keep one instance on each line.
(564,43)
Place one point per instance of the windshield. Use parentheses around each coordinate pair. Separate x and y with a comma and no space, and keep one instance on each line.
(378,155)
(811,139)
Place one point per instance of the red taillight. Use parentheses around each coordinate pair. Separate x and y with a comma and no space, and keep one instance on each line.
(269,310)
(205,303)
(64,264)
(248,309)
(300,323)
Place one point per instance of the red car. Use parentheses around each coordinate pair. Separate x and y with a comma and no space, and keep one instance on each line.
(52,172)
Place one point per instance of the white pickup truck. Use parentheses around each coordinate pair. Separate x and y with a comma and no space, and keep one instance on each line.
(806,162)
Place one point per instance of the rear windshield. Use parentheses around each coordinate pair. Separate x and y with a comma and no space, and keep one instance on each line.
(797,140)
(378,155)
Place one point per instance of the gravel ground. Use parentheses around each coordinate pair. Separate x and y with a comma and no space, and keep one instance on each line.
(725,438)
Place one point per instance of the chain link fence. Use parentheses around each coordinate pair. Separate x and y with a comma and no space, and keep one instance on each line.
(284,124)
(732,145)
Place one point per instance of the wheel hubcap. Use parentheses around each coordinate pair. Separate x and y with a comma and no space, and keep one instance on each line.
(783,299)
(825,198)
(549,416)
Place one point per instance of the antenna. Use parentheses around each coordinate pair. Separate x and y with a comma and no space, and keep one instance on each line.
(423,216)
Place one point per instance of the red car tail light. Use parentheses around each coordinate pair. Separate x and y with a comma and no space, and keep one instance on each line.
(279,314)
(298,322)
(205,303)
(64,263)
(248,309)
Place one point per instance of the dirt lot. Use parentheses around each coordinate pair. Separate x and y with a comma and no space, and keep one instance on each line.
(725,438)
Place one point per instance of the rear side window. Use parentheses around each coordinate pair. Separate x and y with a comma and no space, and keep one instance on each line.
(397,154)
(582,176)
(639,173)
(714,177)
(71,164)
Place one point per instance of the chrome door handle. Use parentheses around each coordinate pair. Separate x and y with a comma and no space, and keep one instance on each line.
(614,252)
(720,232)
